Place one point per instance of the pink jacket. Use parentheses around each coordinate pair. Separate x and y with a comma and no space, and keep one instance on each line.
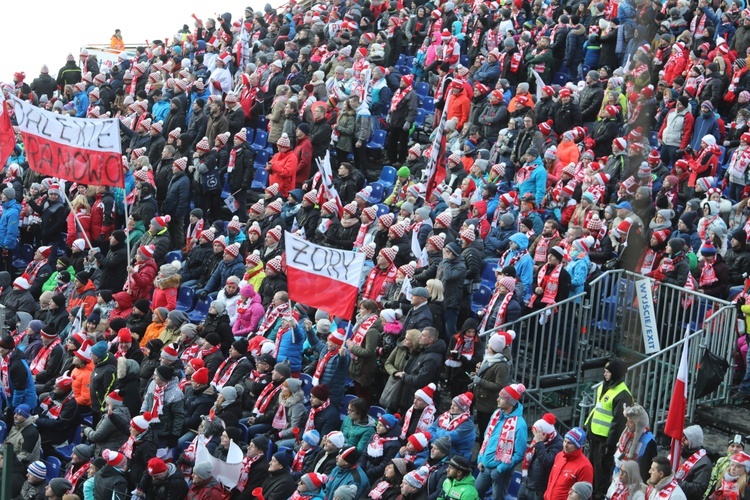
(249,313)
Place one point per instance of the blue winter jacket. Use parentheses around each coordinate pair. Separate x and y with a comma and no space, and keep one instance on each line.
(519,446)
(578,268)
(9,224)
(290,347)
(81,102)
(160,110)
(498,240)
(488,74)
(343,477)
(224,271)
(28,394)
(524,267)
(462,438)
(335,373)
(536,184)
(703,127)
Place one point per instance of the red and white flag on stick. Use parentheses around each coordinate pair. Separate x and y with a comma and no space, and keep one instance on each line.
(327,182)
(7,135)
(436,164)
(82,150)
(322,277)
(678,407)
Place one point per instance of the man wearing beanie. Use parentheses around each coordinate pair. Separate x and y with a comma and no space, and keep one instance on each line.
(56,416)
(24,438)
(440,450)
(606,422)
(254,467)
(103,378)
(279,483)
(77,470)
(46,365)
(552,282)
(166,403)
(737,259)
(332,367)
(569,467)
(35,484)
(323,416)
(204,485)
(199,399)
(347,471)
(267,403)
(413,484)
(694,472)
(113,266)
(712,273)
(459,483)
(162,480)
(581,491)
(58,487)
(504,443)
(235,368)
(457,423)
(325,459)
(539,456)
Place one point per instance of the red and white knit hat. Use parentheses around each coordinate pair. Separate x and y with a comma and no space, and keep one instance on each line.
(417,478)
(283,141)
(420,440)
(275,206)
(444,219)
(389,253)
(468,233)
(272,190)
(274,264)
(594,224)
(254,228)
(398,230)
(350,208)
(232,250)
(509,198)
(235,224)
(223,139)
(387,220)
(258,207)
(203,145)
(620,142)
(275,233)
(330,207)
(253,258)
(141,422)
(113,458)
(84,352)
(169,352)
(138,152)
(546,424)
(408,270)
(368,250)
(242,134)
(311,197)
(513,392)
(180,163)
(463,401)
(426,393)
(147,251)
(437,241)
(221,241)
(500,340)
(22,282)
(371,213)
(114,398)
(498,169)
(338,337)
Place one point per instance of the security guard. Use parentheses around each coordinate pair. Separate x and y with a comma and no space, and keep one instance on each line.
(605,424)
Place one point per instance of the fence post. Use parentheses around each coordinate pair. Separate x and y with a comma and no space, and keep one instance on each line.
(7,472)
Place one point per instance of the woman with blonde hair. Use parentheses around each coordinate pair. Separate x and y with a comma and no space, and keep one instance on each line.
(627,484)
(82,211)
(733,484)
(437,308)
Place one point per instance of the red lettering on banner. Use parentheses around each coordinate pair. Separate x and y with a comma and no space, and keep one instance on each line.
(80,165)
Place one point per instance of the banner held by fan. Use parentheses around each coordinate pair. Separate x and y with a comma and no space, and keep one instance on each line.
(81,150)
(322,277)
(7,134)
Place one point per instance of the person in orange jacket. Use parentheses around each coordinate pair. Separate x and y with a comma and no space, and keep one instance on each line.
(459,104)
(282,169)
(84,293)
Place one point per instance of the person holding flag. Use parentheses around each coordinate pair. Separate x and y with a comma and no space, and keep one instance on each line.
(694,473)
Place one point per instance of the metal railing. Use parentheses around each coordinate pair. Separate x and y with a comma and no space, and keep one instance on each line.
(558,360)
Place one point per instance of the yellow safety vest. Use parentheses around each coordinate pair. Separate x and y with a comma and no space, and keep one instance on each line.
(602,415)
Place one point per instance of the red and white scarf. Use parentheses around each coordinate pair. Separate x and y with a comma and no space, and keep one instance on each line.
(665,492)
(54,408)
(247,463)
(157,407)
(39,364)
(4,375)
(549,282)
(321,366)
(277,344)
(540,252)
(530,451)
(232,159)
(220,380)
(425,420)
(360,239)
(688,465)
(314,410)
(376,444)
(279,419)
(271,316)
(506,440)
(74,475)
(364,326)
(376,493)
(621,492)
(266,397)
(398,96)
(204,353)
(445,421)
(501,310)
(299,459)
(127,447)
(708,275)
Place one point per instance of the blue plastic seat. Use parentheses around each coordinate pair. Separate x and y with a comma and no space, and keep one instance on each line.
(65,452)
(261,179)
(261,139)
(488,274)
(423,89)
(307,383)
(464,60)
(201,310)
(409,60)
(345,405)
(514,486)
(382,209)
(428,104)
(387,177)
(261,158)
(249,134)
(560,78)
(376,195)
(481,298)
(53,467)
(3,430)
(419,120)
(185,299)
(378,140)
(24,256)
(401,60)
(262,124)
(174,255)
(245,432)
(404,70)
(375,411)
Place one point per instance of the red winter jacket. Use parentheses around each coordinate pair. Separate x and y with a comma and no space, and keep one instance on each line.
(283,171)
(102,217)
(74,230)
(141,282)
(567,470)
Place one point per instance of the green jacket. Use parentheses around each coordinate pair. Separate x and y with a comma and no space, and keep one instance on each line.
(135,234)
(51,283)
(459,489)
(358,434)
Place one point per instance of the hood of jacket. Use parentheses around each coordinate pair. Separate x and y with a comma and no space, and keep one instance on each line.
(521,240)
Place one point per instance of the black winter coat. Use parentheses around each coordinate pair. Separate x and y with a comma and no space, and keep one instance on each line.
(540,465)
(197,403)
(406,111)
(177,200)
(591,101)
(113,266)
(241,176)
(566,116)
(341,237)
(54,221)
(422,369)
(738,263)
(219,324)
(143,450)
(196,260)
(102,382)
(280,485)
(173,487)
(110,484)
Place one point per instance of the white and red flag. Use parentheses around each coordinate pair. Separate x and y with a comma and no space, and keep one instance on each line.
(7,135)
(82,150)
(677,407)
(322,277)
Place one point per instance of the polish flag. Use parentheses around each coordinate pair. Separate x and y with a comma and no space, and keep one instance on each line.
(677,407)
(322,277)
(7,135)
(436,163)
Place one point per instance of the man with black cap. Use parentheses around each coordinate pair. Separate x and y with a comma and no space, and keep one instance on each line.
(77,470)
(452,272)
(459,484)
(235,368)
(419,315)
(267,403)
(606,422)
(552,281)
(166,403)
(24,438)
(280,483)
(254,467)
(737,260)
(58,487)
(113,266)
(347,471)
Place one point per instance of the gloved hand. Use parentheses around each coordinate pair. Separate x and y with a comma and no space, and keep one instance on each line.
(475,379)
(658,275)
(407,126)
(202,294)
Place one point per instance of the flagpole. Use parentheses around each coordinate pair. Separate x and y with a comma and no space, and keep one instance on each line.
(127,235)
(75,216)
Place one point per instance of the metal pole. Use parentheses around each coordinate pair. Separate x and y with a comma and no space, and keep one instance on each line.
(7,472)
(78,223)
